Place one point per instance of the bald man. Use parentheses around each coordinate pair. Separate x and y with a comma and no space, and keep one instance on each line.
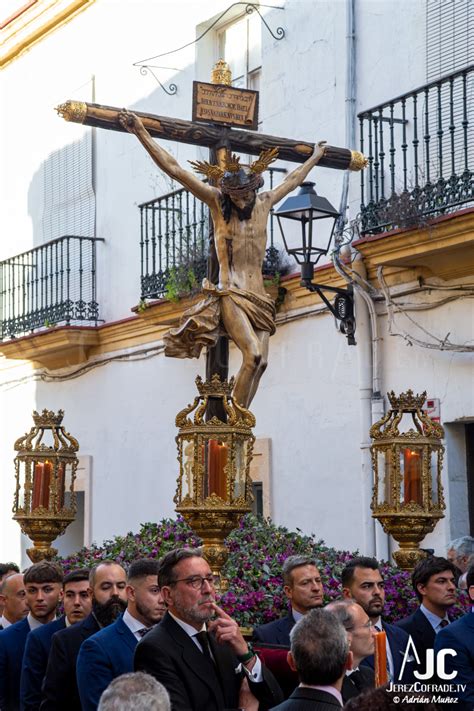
(13,600)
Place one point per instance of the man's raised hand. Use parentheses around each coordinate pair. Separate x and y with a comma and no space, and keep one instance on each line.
(227,630)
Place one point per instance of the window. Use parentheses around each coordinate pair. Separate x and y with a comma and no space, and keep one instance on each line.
(239,43)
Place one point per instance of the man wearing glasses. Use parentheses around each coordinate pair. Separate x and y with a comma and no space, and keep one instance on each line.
(361,636)
(198,652)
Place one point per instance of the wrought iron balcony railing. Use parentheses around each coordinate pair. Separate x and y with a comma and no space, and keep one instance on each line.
(49,285)
(420,149)
(174,242)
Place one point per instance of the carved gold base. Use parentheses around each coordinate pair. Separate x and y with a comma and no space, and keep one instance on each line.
(408,530)
(213,527)
(43,532)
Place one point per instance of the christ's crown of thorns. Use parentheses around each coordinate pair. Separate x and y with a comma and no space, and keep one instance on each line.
(232,165)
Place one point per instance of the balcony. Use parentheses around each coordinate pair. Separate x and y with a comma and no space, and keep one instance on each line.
(174,244)
(48,286)
(420,148)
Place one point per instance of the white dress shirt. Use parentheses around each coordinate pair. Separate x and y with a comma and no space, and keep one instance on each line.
(133,624)
(434,620)
(254,675)
(4,622)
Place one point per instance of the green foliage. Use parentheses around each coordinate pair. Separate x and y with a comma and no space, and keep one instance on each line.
(181,282)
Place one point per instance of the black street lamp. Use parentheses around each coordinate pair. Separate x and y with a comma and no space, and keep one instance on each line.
(306,207)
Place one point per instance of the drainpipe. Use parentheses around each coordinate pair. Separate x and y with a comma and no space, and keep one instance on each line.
(371,403)
(376,542)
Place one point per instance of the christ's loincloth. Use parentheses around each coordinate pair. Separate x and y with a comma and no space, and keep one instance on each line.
(200,325)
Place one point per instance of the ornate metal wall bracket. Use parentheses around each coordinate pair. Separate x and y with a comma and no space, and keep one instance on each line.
(146,68)
(342,308)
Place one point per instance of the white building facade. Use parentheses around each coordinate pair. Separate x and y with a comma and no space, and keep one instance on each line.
(319,396)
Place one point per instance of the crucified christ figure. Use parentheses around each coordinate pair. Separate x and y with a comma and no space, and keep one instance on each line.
(238,304)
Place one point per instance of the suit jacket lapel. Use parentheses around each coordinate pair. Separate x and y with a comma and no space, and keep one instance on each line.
(194,659)
(425,629)
(126,633)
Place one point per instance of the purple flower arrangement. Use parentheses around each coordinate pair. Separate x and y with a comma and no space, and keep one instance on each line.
(257,550)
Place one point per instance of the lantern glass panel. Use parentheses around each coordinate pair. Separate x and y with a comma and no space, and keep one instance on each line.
(216,458)
(411,467)
(434,476)
(188,468)
(384,470)
(21,492)
(307,240)
(64,474)
(241,452)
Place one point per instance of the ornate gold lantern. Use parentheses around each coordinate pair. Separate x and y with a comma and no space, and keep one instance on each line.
(408,494)
(214,487)
(45,467)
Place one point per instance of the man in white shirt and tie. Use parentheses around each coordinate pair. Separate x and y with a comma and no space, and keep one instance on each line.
(197,652)
(363,582)
(434,582)
(109,653)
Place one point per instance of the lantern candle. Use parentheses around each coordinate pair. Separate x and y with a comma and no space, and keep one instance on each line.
(412,476)
(217,459)
(381,675)
(41,481)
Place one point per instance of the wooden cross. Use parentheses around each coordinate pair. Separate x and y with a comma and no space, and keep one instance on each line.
(218,138)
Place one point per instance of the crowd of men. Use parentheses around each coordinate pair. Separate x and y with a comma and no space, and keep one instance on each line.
(155,638)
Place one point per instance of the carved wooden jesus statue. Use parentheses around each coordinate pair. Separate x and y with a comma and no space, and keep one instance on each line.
(238,303)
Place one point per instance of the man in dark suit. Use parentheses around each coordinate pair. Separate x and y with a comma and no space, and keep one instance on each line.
(107,582)
(434,582)
(43,584)
(362,581)
(109,652)
(459,637)
(303,587)
(193,657)
(320,655)
(77,605)
(13,599)
(360,634)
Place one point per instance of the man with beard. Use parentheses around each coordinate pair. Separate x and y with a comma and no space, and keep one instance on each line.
(44,585)
(77,605)
(362,581)
(107,583)
(109,653)
(197,651)
(13,599)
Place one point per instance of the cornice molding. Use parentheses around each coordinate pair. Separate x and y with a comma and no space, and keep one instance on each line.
(443,248)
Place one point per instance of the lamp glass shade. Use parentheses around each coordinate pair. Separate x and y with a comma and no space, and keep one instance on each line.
(317,219)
